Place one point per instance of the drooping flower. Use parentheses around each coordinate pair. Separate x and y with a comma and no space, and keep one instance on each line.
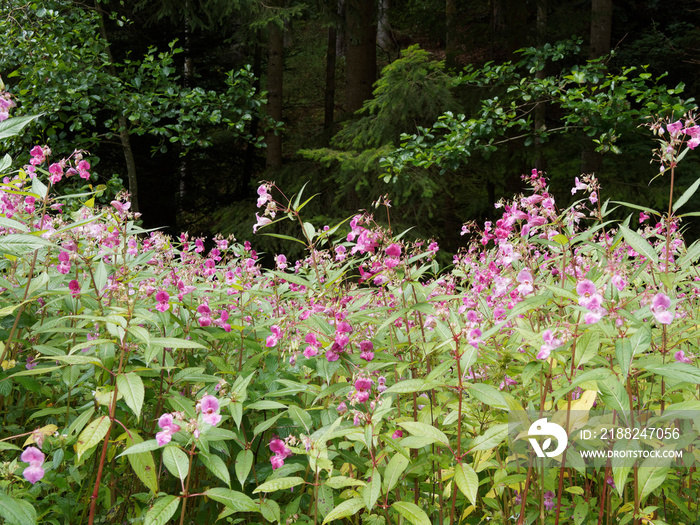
(35,457)
(74,287)
(660,305)
(550,343)
(281,451)
(167,423)
(681,357)
(275,337)
(63,262)
(209,406)
(162,297)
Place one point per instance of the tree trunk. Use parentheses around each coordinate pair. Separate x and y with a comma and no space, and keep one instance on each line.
(450,34)
(329,103)
(361,52)
(275,71)
(601,27)
(385,41)
(186,80)
(540,108)
(250,149)
(124,136)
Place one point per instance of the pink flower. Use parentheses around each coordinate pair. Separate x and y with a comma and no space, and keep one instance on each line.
(35,457)
(167,423)
(681,358)
(394,250)
(281,453)
(263,195)
(310,351)
(397,434)
(578,185)
(363,384)
(660,305)
(74,287)
(63,262)
(526,280)
(121,207)
(281,262)
(277,462)
(262,221)
(209,406)
(162,297)
(273,339)
(674,128)
(550,343)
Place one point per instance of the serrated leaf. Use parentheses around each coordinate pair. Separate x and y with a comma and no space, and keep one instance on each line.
(279,484)
(216,466)
(371,492)
(411,512)
(394,470)
(175,342)
(652,473)
(232,499)
(139,448)
(92,435)
(143,464)
(13,126)
(162,510)
(270,510)
(489,395)
(338,482)
(639,244)
(244,462)
(131,386)
(300,416)
(21,243)
(467,481)
(176,461)
(493,437)
(426,431)
(16,511)
(346,508)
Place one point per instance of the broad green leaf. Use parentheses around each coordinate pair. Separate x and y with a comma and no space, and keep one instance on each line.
(265,404)
(338,482)
(467,481)
(162,510)
(488,395)
(324,500)
(131,386)
(140,448)
(176,461)
(279,484)
(76,359)
(175,342)
(143,464)
(371,492)
(587,346)
(21,243)
(4,445)
(687,194)
(493,437)
(422,430)
(216,466)
(80,421)
(244,462)
(680,372)
(13,126)
(614,396)
(394,470)
(652,473)
(345,509)
(411,512)
(16,511)
(623,353)
(270,510)
(92,435)
(301,416)
(232,499)
(639,244)
(410,385)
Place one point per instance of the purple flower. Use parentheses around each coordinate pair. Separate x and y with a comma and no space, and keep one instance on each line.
(660,308)
(35,457)
(550,343)
(209,406)
(167,423)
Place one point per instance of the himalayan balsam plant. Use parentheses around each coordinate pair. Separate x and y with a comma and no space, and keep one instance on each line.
(147,378)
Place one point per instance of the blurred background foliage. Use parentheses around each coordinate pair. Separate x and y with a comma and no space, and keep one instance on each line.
(438,105)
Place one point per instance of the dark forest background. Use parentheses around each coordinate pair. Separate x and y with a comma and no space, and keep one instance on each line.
(345,95)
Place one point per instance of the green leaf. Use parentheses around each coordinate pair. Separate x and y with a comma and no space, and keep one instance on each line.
(427,431)
(244,462)
(394,470)
(232,499)
(687,194)
(75,359)
(371,492)
(587,346)
(467,481)
(623,353)
(80,421)
(493,437)
(176,461)
(652,473)
(680,372)
(265,404)
(614,396)
(338,482)
(346,508)
(409,386)
(143,464)
(271,510)
(279,484)
(12,127)
(131,386)
(216,466)
(4,445)
(324,500)
(16,512)
(92,435)
(140,448)
(162,510)
(639,244)
(301,417)
(21,243)
(488,395)
(175,342)
(411,512)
